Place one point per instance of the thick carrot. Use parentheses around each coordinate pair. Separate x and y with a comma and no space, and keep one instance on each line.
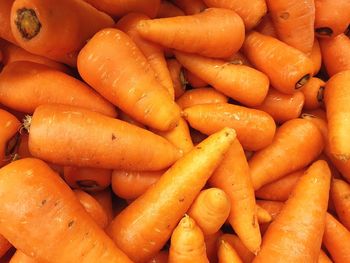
(104,198)
(41,27)
(233,176)
(178,187)
(336,239)
(20,257)
(294,22)
(323,258)
(296,233)
(193,80)
(25,85)
(5,29)
(4,245)
(240,82)
(210,210)
(211,246)
(125,117)
(255,129)
(113,65)
(153,52)
(262,215)
(297,142)
(251,11)
(48,141)
(190,7)
(287,68)
(69,235)
(266,27)
(196,34)
(227,254)
(245,255)
(340,192)
(282,107)
(316,57)
(177,77)
(200,96)
(187,243)
(313,93)
(168,9)
(161,257)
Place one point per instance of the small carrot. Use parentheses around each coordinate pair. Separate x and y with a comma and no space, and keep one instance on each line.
(25,85)
(251,11)
(239,59)
(177,77)
(288,68)
(211,245)
(282,107)
(168,9)
(196,34)
(227,254)
(5,29)
(255,129)
(20,257)
(47,141)
(69,234)
(245,255)
(193,80)
(4,245)
(313,93)
(190,7)
(323,258)
(340,192)
(297,142)
(187,243)
(106,63)
(266,27)
(104,198)
(240,82)
(272,207)
(262,215)
(178,187)
(316,57)
(161,257)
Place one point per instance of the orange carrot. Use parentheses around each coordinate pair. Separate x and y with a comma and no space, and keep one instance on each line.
(294,22)
(125,117)
(266,27)
(238,246)
(104,198)
(239,82)
(239,59)
(323,258)
(296,233)
(168,9)
(297,142)
(211,246)
(288,68)
(272,207)
(177,77)
(190,7)
(195,33)
(316,57)
(187,243)
(4,245)
(106,63)
(227,254)
(282,107)
(193,80)
(69,232)
(20,257)
(5,29)
(47,141)
(250,11)
(161,257)
(26,85)
(340,192)
(262,215)
(255,129)
(178,187)
(313,93)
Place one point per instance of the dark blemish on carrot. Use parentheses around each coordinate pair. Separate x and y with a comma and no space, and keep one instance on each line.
(27,23)
(284,15)
(113,137)
(181,199)
(70,223)
(199,147)
(43,202)
(320,94)
(324,31)
(87,184)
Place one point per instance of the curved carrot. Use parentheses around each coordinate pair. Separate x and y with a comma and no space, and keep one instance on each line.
(282,107)
(340,192)
(193,80)
(250,11)
(196,34)
(70,234)
(178,187)
(316,57)
(266,27)
(313,93)
(211,245)
(168,9)
(177,77)
(190,7)
(106,63)
(5,22)
(245,255)
(297,142)
(255,129)
(296,233)
(26,85)
(20,257)
(288,68)
(47,141)
(187,243)
(104,198)
(323,258)
(240,82)
(227,254)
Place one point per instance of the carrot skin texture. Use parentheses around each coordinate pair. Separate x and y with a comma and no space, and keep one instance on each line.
(104,198)
(20,257)
(227,254)
(340,192)
(266,27)
(168,9)
(5,30)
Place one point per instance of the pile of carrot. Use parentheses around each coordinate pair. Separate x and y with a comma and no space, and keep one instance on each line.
(174,131)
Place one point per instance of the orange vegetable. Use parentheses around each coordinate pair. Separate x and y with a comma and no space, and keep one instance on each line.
(4,245)
(340,192)
(168,9)
(161,257)
(227,254)
(5,29)
(190,7)
(193,80)
(266,27)
(177,77)
(313,93)
(323,258)
(316,56)
(104,198)
(262,215)
(211,246)
(20,257)
(245,255)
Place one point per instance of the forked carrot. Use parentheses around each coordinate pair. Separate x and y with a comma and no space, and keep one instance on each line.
(313,93)
(193,80)
(177,77)
(340,192)
(266,27)
(190,7)
(5,29)
(245,255)
(168,9)
(227,254)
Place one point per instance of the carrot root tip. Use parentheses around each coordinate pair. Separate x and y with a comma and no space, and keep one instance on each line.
(324,31)
(302,81)
(27,23)
(27,121)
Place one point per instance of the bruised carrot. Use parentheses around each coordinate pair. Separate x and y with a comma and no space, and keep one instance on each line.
(239,247)
(4,245)
(26,85)
(211,246)
(193,80)
(106,63)
(5,29)
(227,254)
(340,192)
(178,187)
(287,68)
(20,257)
(161,257)
(130,185)
(313,93)
(177,77)
(168,9)
(282,107)
(195,34)
(190,7)
(316,57)
(262,215)
(242,83)
(104,198)
(266,27)
(255,129)
(47,141)
(70,229)
(323,258)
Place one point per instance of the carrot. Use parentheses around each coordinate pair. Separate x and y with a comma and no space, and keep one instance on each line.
(316,57)
(200,96)
(288,68)
(296,233)
(26,85)
(326,10)
(5,29)
(323,258)
(131,185)
(294,22)
(241,83)
(227,254)
(178,187)
(106,63)
(250,11)
(47,141)
(262,215)
(340,192)
(153,52)
(336,54)
(245,255)
(210,210)
(336,239)
(177,77)
(20,257)
(239,59)
(187,243)
(193,80)
(69,235)
(196,33)
(266,27)
(273,208)
(255,129)
(125,117)
(280,189)
(211,246)
(4,245)
(313,93)
(168,9)
(41,27)
(297,142)
(190,7)
(161,257)
(104,198)
(282,107)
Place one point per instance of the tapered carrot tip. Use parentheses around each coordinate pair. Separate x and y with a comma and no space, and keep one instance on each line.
(27,23)
(218,200)
(187,223)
